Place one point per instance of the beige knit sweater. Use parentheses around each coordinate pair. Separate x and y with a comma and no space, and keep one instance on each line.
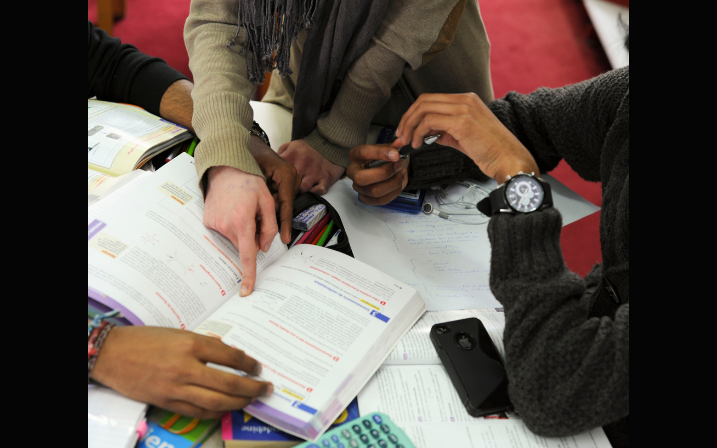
(421,46)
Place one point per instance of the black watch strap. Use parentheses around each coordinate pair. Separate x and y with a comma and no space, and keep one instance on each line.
(484,206)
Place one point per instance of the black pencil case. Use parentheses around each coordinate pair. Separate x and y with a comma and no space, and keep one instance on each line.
(305,200)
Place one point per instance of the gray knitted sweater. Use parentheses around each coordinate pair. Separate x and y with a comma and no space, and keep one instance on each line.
(566,341)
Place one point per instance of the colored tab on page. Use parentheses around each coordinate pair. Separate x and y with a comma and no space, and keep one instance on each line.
(303,407)
(380,316)
(94,227)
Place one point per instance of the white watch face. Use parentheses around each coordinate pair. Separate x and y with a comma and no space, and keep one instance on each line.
(524,194)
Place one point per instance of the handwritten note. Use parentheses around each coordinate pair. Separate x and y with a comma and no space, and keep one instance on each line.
(447,262)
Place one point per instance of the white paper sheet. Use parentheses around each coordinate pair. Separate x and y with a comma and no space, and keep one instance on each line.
(112,418)
(422,401)
(447,262)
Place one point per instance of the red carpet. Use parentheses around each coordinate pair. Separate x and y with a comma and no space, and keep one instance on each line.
(535,43)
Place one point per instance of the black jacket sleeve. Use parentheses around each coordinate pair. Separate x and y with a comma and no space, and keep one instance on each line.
(121,73)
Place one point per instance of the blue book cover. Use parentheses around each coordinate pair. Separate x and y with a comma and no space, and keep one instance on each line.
(169,430)
(239,427)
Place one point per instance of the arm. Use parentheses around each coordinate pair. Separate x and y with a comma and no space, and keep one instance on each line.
(552,124)
(238,202)
(567,373)
(538,129)
(222,114)
(410,35)
(120,73)
(176,105)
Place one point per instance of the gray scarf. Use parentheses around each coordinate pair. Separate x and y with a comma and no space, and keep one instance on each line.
(339,32)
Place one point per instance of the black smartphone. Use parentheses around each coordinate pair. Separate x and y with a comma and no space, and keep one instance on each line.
(473,364)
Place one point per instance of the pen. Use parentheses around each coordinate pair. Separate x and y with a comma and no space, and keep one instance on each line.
(296,240)
(334,239)
(406,150)
(319,235)
(190,151)
(172,155)
(322,240)
(311,234)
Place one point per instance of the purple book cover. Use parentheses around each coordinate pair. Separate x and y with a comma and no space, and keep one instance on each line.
(237,425)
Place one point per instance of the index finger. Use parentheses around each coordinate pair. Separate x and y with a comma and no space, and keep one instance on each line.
(248,248)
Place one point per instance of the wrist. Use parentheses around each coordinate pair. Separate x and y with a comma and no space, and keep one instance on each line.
(515,166)
(98,331)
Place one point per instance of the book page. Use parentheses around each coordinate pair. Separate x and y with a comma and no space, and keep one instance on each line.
(108,186)
(416,346)
(422,401)
(150,255)
(320,323)
(118,135)
(95,179)
(447,262)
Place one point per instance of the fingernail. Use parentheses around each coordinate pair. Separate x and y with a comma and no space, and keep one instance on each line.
(257,369)
(243,291)
(266,247)
(397,166)
(269,391)
(393,154)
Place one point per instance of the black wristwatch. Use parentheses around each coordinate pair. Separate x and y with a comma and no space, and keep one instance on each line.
(259,132)
(523,193)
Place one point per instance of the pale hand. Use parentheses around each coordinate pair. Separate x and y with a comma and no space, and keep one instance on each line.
(316,172)
(467,124)
(239,206)
(167,368)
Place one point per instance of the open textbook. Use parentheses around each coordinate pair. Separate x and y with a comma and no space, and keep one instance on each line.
(320,322)
(413,387)
(121,138)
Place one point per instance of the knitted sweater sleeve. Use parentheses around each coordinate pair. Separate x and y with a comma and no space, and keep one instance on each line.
(222,114)
(121,73)
(412,32)
(570,123)
(551,123)
(567,372)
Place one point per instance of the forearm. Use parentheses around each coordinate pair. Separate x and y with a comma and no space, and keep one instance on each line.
(567,373)
(120,73)
(410,34)
(176,105)
(222,115)
(570,123)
